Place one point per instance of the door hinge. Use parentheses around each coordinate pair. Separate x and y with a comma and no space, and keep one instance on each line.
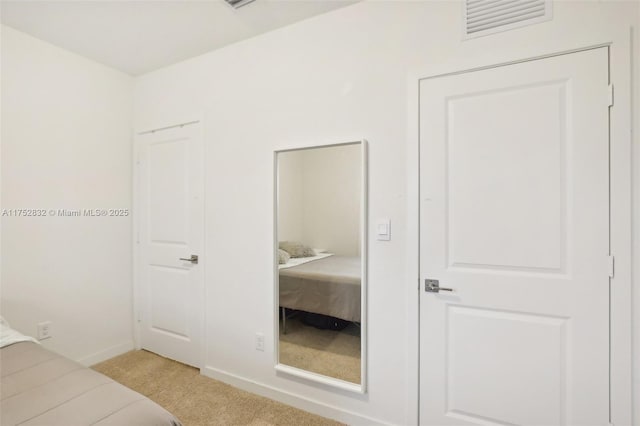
(611,95)
(611,266)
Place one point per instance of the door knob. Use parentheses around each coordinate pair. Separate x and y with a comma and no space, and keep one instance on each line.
(192,259)
(433,286)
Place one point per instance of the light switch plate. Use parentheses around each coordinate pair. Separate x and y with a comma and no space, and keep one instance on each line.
(383,230)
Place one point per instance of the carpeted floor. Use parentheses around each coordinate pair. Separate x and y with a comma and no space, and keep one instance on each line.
(328,352)
(198,400)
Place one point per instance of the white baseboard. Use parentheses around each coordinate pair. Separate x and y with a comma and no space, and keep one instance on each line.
(291,399)
(106,354)
(635,416)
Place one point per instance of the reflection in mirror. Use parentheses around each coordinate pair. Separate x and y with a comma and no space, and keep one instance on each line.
(320,271)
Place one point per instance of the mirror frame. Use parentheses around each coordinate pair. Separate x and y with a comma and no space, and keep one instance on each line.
(364,214)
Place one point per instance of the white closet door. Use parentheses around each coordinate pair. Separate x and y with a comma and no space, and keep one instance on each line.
(514,190)
(171,224)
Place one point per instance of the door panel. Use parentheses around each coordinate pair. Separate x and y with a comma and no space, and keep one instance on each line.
(168,182)
(171,222)
(480,383)
(514,218)
(497,190)
(169,303)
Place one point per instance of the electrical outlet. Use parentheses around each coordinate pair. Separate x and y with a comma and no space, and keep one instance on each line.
(44,330)
(259,342)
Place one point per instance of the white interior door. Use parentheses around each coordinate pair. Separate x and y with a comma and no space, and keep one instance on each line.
(171,231)
(514,218)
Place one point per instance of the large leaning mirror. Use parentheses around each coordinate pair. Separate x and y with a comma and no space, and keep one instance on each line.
(320,263)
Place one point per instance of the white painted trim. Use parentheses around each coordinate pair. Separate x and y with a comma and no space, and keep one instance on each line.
(319,378)
(621,191)
(311,145)
(412,264)
(203,326)
(106,354)
(289,398)
(275,259)
(635,251)
(621,229)
(364,231)
(364,262)
(135,229)
(448,69)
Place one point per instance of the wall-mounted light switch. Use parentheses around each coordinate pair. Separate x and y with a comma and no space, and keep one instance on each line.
(383,230)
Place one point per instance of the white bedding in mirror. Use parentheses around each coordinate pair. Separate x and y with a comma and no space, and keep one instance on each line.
(328,287)
(295,261)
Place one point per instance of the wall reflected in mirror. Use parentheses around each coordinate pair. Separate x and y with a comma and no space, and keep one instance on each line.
(320,202)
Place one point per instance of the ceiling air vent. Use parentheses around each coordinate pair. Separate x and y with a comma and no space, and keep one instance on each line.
(237,4)
(482,17)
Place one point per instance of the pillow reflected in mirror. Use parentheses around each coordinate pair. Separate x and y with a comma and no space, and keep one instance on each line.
(283,257)
(296,249)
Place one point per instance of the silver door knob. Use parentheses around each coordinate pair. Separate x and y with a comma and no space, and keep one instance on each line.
(192,259)
(433,286)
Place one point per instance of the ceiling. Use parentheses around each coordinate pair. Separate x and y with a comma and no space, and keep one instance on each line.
(143,35)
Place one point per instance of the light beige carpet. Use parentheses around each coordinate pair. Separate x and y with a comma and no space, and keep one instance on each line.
(198,400)
(328,352)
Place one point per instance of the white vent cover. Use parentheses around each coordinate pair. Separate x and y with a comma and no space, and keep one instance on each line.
(482,17)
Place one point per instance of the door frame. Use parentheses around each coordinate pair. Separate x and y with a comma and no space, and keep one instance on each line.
(135,231)
(620,50)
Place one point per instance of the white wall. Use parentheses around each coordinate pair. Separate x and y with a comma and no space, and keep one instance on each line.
(336,77)
(66,144)
(319,196)
(290,196)
(332,194)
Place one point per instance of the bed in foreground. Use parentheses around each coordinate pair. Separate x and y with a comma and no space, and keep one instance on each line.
(40,387)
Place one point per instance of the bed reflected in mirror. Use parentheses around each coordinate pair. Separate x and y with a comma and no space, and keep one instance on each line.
(320,263)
